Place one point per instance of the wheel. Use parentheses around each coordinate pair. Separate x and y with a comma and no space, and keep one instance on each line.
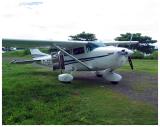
(114,82)
(65,77)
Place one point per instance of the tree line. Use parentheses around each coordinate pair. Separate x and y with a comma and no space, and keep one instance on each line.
(144,45)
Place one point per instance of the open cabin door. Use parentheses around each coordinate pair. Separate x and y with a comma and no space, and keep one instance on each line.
(58,61)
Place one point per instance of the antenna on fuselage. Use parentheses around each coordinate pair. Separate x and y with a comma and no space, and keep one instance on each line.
(130,40)
(129,58)
(131,37)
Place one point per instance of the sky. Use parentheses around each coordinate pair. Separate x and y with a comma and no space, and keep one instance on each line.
(58,19)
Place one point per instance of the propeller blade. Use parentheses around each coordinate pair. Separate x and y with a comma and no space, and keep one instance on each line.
(130,62)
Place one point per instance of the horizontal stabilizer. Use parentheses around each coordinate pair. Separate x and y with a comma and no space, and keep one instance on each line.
(23,61)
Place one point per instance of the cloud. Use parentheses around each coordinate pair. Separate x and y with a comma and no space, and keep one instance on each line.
(58,19)
(30,3)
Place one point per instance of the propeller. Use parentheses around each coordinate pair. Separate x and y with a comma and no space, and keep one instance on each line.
(126,53)
(130,62)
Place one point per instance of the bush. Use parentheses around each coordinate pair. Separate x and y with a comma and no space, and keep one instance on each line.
(137,55)
(44,50)
(154,55)
(21,53)
(26,52)
(18,53)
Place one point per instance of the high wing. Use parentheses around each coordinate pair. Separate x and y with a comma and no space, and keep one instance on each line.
(116,43)
(25,43)
(57,44)
(119,42)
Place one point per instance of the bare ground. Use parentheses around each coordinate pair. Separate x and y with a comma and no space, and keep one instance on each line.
(137,86)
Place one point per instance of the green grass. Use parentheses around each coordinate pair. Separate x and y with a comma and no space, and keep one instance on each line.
(22,53)
(35,96)
(150,66)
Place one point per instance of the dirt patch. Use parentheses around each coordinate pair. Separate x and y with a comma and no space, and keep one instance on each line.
(138,86)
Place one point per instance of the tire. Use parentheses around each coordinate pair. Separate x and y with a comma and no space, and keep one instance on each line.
(114,82)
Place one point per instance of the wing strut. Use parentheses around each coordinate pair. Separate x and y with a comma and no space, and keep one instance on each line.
(89,68)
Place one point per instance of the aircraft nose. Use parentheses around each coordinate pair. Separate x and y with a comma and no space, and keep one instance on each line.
(130,52)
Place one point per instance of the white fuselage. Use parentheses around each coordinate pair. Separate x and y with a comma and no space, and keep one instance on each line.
(98,59)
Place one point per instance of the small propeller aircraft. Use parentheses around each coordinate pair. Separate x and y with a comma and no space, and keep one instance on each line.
(101,57)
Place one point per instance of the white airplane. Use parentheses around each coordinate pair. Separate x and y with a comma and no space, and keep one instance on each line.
(72,56)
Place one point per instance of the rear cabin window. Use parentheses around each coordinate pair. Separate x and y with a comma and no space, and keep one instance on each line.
(79,50)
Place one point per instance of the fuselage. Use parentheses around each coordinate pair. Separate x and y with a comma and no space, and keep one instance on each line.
(96,56)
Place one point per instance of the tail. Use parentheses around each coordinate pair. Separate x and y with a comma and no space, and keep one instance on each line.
(36,53)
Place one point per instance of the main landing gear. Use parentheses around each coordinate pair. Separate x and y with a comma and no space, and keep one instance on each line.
(63,77)
(67,78)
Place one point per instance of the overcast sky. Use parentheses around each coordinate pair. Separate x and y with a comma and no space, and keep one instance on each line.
(57,19)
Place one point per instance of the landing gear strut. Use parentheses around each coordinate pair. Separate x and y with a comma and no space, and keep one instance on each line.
(63,77)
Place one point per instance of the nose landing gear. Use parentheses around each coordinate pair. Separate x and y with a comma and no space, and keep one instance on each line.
(114,78)
(113,82)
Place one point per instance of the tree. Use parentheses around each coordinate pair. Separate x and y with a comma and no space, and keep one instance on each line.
(143,45)
(84,37)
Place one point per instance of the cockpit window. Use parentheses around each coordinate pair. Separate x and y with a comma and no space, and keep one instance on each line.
(92,45)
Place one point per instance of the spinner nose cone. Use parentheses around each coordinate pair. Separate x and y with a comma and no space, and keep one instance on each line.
(130,52)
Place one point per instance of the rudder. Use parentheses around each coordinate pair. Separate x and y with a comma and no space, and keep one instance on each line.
(37,53)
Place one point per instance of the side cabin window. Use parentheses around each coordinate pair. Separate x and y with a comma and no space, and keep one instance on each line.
(79,50)
(92,46)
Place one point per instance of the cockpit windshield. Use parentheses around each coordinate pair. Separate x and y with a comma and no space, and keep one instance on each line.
(92,45)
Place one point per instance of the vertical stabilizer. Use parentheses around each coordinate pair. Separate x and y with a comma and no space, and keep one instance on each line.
(37,53)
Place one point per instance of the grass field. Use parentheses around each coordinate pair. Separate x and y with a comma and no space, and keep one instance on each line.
(35,96)
(150,66)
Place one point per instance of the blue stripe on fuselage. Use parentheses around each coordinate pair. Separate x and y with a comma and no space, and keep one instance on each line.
(86,59)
